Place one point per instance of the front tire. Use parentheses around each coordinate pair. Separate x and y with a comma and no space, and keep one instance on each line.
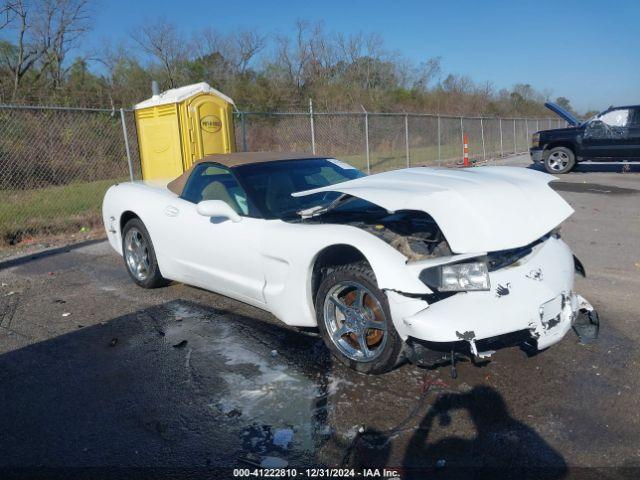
(559,160)
(139,255)
(354,320)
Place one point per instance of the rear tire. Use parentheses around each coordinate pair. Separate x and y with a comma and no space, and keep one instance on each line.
(354,320)
(139,255)
(559,160)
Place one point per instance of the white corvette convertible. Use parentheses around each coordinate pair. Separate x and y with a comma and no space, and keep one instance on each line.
(386,266)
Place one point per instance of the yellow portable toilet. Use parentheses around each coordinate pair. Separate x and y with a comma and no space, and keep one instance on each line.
(182,125)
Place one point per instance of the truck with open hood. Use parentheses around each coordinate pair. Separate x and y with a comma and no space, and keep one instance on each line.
(612,135)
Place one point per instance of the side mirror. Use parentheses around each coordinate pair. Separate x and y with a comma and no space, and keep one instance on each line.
(218,208)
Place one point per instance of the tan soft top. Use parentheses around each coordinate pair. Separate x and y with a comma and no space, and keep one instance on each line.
(235,159)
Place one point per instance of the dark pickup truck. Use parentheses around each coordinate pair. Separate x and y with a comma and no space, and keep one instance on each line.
(611,135)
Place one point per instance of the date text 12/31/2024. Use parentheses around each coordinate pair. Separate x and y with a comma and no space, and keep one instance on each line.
(315,473)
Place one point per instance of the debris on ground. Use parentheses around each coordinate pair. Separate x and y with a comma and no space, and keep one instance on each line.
(59,300)
(182,344)
(66,314)
(273,462)
(113,342)
(264,462)
(251,459)
(282,438)
(441,463)
(10,293)
(464,387)
(428,382)
(274,353)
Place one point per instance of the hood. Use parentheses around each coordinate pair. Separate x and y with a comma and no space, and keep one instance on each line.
(562,113)
(480,209)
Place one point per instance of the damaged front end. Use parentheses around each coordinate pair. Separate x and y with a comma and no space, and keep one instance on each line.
(530,302)
(495,266)
(414,234)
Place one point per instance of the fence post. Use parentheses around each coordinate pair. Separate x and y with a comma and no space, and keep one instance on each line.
(484,152)
(313,130)
(366,137)
(501,145)
(126,143)
(515,142)
(439,143)
(537,125)
(406,137)
(243,126)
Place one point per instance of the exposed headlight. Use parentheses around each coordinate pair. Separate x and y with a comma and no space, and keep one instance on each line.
(535,140)
(457,277)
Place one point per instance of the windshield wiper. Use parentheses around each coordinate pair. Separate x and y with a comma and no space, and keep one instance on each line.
(320,209)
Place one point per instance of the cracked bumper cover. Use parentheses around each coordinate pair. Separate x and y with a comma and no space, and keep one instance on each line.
(534,294)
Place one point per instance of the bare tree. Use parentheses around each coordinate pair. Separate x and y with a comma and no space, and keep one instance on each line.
(292,57)
(238,49)
(427,72)
(58,26)
(210,41)
(164,42)
(6,13)
(247,44)
(20,57)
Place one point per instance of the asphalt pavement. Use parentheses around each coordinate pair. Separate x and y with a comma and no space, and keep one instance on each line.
(96,372)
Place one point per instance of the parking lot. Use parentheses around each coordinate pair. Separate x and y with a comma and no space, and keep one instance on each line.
(98,372)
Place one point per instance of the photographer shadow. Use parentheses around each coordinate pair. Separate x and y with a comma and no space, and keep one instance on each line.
(503,447)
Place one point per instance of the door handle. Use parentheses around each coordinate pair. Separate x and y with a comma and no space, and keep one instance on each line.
(170,211)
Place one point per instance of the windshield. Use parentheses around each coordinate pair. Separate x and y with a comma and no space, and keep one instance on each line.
(271,184)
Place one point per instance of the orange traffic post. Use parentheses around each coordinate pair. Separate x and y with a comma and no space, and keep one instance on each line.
(466,150)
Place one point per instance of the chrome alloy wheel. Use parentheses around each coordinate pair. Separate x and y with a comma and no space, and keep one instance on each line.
(558,161)
(355,321)
(136,253)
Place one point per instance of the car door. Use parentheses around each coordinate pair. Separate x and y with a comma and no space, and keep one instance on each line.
(215,253)
(607,135)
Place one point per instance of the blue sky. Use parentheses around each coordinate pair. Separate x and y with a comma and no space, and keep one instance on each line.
(588,51)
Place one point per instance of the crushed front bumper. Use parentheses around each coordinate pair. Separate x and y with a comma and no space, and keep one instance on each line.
(533,295)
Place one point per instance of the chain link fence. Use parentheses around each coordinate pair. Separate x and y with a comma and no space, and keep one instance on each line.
(376,142)
(56,163)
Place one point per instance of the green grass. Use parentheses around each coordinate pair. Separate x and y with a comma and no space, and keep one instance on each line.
(393,159)
(51,209)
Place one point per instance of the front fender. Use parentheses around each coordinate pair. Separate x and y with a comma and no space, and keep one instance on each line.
(290,251)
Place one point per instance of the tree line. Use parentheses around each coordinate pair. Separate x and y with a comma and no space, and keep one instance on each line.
(41,63)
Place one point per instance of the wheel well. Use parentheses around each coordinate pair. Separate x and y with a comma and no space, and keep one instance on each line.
(126,216)
(560,143)
(333,256)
